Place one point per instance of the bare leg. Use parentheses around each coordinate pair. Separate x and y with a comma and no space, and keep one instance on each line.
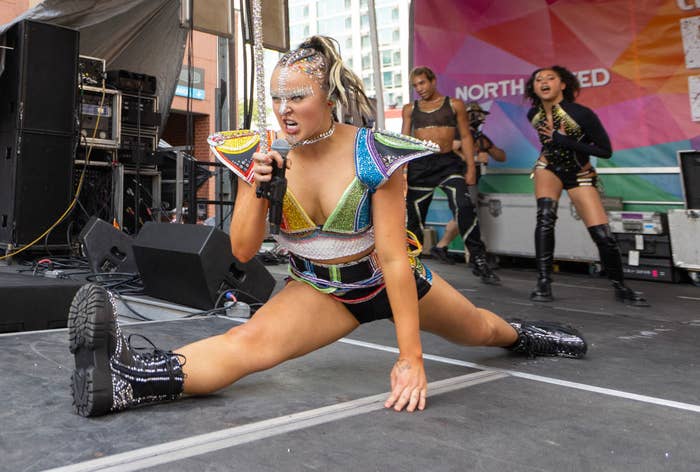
(446,312)
(450,233)
(590,207)
(110,375)
(296,321)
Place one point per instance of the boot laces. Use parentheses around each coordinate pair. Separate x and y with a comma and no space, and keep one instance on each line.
(152,353)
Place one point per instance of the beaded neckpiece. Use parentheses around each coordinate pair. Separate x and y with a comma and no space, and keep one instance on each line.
(325,135)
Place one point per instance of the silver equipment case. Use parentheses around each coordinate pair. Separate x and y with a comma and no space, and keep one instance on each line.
(508,221)
(684,226)
(638,222)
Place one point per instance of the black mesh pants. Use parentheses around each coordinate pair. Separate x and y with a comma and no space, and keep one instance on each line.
(444,171)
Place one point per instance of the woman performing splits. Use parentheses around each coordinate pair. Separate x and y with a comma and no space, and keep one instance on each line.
(344,227)
(569,133)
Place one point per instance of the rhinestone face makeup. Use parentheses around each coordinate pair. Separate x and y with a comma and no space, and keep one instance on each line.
(284,95)
(306,61)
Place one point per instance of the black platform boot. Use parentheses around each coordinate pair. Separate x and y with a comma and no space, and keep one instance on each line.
(109,374)
(544,248)
(546,338)
(612,263)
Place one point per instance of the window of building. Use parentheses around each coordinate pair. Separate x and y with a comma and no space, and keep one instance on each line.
(348,23)
(397,58)
(331,26)
(365,41)
(366,62)
(394,13)
(385,36)
(330,7)
(397,35)
(388,79)
(368,80)
(386,58)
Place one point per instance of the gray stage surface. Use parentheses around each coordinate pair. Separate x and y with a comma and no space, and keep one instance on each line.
(632,405)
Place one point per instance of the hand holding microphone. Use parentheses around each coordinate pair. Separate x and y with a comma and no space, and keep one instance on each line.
(275,189)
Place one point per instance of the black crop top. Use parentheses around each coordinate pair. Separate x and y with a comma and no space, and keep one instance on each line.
(585,135)
(443,116)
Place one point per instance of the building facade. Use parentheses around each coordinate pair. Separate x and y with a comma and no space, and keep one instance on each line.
(347,21)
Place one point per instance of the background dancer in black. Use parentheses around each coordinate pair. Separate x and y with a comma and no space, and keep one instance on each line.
(569,134)
(484,150)
(436,118)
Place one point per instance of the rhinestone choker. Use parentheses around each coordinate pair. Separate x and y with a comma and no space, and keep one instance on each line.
(315,139)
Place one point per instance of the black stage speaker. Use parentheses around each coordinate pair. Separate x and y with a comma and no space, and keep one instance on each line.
(38,109)
(192,265)
(689,162)
(33,303)
(107,248)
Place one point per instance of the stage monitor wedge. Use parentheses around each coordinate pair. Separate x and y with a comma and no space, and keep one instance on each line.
(192,265)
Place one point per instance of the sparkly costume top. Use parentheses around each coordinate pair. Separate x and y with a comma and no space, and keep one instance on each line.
(584,135)
(349,230)
(443,116)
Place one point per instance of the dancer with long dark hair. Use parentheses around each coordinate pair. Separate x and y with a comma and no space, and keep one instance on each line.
(569,133)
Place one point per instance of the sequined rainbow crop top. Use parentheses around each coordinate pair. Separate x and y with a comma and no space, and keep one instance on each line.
(349,230)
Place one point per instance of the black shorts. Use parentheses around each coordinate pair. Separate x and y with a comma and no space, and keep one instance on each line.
(372,303)
(571,177)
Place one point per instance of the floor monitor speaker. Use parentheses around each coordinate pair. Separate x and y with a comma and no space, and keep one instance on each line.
(107,249)
(192,265)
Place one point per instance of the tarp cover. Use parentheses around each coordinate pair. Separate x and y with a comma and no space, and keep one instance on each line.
(142,36)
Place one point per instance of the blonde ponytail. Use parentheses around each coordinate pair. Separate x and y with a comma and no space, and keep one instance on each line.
(342,84)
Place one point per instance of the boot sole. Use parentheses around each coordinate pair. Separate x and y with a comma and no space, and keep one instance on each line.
(90,322)
(627,301)
(539,298)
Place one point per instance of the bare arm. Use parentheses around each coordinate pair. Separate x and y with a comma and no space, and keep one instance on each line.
(466,138)
(486,146)
(406,117)
(409,384)
(247,229)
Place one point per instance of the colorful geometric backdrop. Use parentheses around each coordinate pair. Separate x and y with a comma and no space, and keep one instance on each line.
(632,63)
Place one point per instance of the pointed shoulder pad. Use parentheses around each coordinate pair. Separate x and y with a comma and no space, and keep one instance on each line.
(235,150)
(380,153)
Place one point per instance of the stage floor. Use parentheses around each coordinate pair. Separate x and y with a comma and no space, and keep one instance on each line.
(633,404)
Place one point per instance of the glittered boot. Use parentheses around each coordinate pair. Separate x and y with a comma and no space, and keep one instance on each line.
(547,338)
(109,374)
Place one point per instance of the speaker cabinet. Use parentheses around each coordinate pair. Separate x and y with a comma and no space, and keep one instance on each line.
(192,265)
(38,106)
(107,249)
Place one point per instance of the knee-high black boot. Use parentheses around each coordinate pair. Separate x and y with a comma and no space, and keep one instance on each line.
(544,248)
(612,263)
(109,374)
